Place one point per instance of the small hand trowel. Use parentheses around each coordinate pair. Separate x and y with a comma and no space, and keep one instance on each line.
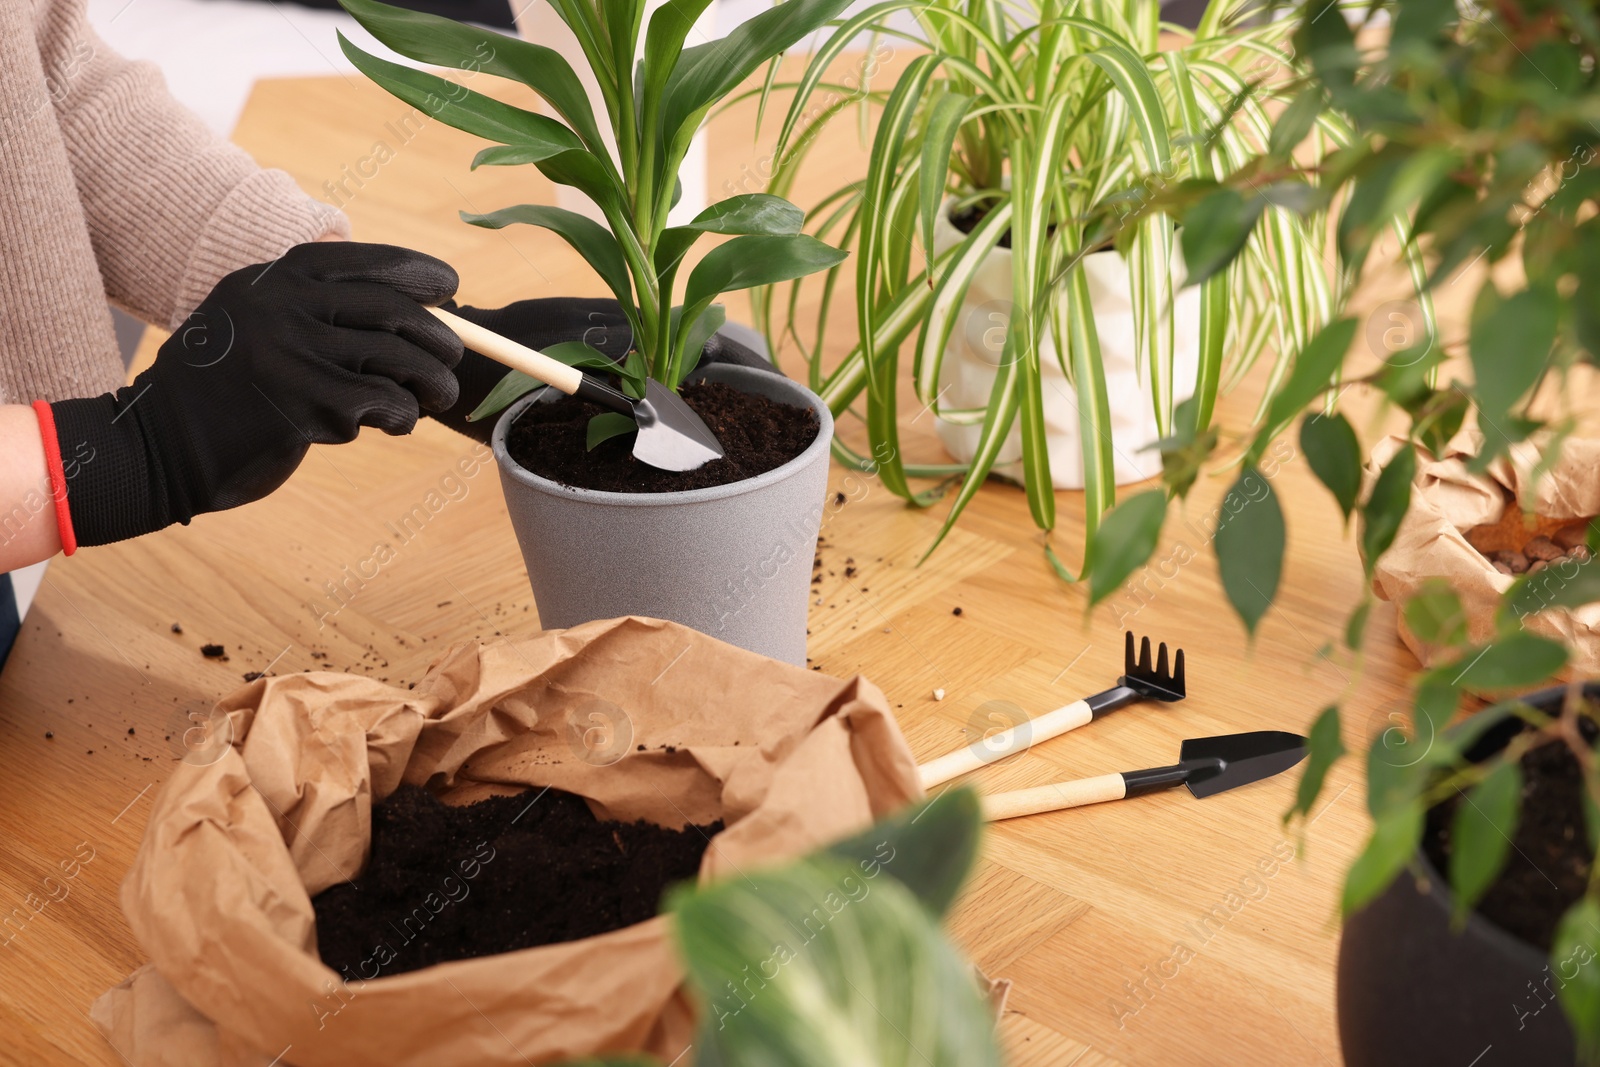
(1207,765)
(671,436)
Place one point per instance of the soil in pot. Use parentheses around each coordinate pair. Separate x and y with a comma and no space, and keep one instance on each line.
(1548,868)
(453,882)
(757,435)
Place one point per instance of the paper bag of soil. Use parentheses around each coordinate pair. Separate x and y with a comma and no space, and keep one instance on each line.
(219,894)
(1449,503)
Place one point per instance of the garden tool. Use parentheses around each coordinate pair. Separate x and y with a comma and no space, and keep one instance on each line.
(671,436)
(1207,765)
(1139,682)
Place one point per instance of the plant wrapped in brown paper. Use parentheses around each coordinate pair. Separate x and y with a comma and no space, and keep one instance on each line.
(219,894)
(1460,523)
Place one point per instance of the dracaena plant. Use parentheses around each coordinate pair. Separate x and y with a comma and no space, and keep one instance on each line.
(1054,122)
(657,90)
(838,959)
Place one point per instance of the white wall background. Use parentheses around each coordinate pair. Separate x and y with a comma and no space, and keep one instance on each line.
(213,51)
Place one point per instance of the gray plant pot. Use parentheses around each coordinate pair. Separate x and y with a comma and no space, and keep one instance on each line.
(732,561)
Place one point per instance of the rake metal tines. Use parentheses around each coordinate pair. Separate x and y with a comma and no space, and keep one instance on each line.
(1152,683)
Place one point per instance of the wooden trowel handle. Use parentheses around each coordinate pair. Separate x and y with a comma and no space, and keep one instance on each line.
(1006,743)
(518,357)
(1054,797)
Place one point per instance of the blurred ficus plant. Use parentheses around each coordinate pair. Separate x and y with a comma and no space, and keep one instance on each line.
(1476,135)
(657,92)
(838,959)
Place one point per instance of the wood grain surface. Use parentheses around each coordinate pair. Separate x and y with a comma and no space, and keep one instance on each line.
(1156,931)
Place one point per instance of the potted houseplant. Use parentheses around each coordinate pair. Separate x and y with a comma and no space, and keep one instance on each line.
(1052,349)
(1478,954)
(726,548)
(1473,139)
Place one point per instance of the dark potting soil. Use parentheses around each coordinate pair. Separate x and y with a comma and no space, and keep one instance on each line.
(1548,869)
(449,883)
(966,220)
(757,435)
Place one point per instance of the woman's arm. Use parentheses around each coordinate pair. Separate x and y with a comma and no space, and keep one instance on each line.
(28,530)
(171,207)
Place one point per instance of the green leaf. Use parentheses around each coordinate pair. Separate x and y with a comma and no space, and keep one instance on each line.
(669,28)
(1355,628)
(1566,583)
(1395,768)
(1420,22)
(1516,660)
(511,155)
(1435,614)
(708,72)
(585,172)
(1393,843)
(938,139)
(1124,541)
(1334,455)
(505,393)
(606,425)
(1386,507)
(1314,369)
(755,213)
(1325,38)
(1510,344)
(1249,544)
(710,321)
(1432,710)
(447,43)
(1573,953)
(592,240)
(1324,747)
(816,965)
(460,107)
(1296,121)
(929,847)
(750,213)
(745,262)
(1480,836)
(1214,232)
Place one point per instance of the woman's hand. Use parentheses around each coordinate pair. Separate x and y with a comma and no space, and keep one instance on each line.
(304,350)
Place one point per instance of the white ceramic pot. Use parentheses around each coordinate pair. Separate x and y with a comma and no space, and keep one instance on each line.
(973,354)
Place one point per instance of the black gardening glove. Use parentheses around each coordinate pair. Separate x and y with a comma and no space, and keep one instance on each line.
(304,350)
(550,321)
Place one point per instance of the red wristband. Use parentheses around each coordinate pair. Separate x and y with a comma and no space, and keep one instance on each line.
(58,476)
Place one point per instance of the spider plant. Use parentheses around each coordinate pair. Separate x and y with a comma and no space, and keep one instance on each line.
(1056,124)
(657,92)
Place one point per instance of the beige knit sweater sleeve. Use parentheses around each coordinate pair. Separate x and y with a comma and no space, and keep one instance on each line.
(112,190)
(170,208)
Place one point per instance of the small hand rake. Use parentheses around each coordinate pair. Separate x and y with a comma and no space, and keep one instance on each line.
(1140,681)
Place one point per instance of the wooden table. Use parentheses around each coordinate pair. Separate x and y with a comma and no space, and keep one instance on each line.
(1159,932)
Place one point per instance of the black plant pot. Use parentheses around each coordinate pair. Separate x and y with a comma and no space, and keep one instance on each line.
(1414,992)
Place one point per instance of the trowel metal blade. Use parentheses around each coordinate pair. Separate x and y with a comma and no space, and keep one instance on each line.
(671,435)
(1231,760)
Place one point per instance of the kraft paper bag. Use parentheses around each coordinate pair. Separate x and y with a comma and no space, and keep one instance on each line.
(238,842)
(1447,500)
